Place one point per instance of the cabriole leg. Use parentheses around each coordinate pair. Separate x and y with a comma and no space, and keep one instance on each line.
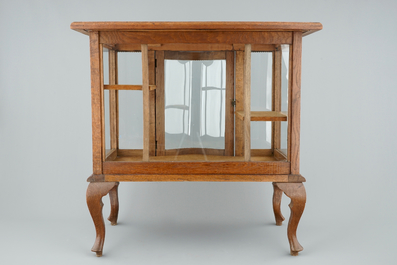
(95,192)
(114,205)
(297,193)
(277,194)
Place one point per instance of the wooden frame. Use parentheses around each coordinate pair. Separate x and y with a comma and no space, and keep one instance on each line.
(232,41)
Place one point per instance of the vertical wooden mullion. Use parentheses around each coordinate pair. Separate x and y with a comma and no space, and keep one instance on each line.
(102,101)
(160,107)
(277,62)
(96,102)
(239,83)
(294,98)
(273,101)
(229,109)
(247,102)
(145,96)
(152,104)
(113,100)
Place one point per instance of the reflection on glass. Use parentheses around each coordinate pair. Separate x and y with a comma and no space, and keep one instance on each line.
(195,104)
(261,98)
(284,95)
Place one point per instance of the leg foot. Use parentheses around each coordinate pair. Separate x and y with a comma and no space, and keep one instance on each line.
(297,193)
(114,204)
(95,192)
(277,194)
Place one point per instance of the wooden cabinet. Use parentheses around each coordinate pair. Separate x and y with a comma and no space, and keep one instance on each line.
(191,113)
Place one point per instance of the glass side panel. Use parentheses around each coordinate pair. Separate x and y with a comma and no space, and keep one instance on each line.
(130,101)
(195,104)
(261,98)
(129,68)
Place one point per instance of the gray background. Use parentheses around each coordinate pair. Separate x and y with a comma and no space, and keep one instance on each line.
(348,144)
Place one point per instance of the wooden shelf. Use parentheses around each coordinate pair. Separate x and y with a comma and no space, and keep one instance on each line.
(263,115)
(136,156)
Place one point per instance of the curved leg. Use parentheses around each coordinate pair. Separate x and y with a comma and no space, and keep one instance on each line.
(114,204)
(95,192)
(297,193)
(277,194)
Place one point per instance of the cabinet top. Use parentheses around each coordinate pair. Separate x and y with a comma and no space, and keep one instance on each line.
(306,27)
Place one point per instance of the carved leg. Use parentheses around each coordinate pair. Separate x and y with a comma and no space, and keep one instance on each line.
(95,192)
(114,205)
(297,193)
(277,194)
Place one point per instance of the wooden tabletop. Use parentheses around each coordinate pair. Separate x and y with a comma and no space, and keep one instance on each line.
(305,27)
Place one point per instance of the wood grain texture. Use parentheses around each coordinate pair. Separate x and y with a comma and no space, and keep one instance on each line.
(280,156)
(114,204)
(297,193)
(194,157)
(160,105)
(127,87)
(198,168)
(261,152)
(146,102)
(239,86)
(211,152)
(277,63)
(176,47)
(101,74)
(176,55)
(113,101)
(294,101)
(211,37)
(152,104)
(111,155)
(203,151)
(306,27)
(277,195)
(198,178)
(247,103)
(96,102)
(194,47)
(263,116)
(229,109)
(95,192)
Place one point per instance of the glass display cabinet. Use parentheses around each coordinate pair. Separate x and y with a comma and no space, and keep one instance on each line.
(196,101)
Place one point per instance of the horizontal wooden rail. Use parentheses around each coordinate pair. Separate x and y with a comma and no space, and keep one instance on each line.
(263,115)
(197,168)
(127,87)
(217,178)
(179,177)
(210,37)
(213,55)
(130,47)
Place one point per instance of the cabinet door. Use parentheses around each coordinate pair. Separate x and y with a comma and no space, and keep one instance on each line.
(194,96)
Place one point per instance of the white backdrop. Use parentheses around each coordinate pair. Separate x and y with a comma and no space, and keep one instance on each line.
(348,144)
